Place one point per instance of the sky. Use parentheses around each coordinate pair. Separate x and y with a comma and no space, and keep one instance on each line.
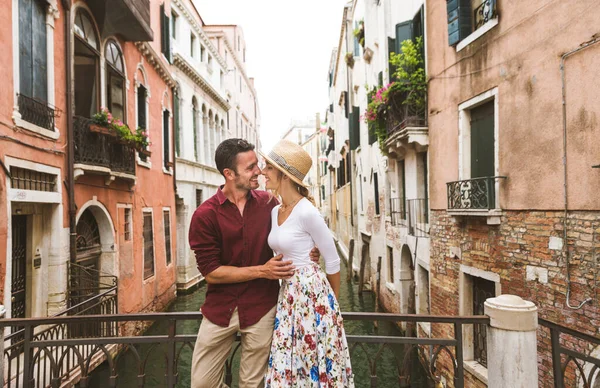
(289,46)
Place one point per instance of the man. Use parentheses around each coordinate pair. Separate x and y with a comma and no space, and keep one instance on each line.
(228,234)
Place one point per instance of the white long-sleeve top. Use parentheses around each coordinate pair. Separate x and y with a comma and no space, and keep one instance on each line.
(300,232)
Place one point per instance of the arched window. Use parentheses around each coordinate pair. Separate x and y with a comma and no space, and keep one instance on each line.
(86,65)
(195,126)
(115,80)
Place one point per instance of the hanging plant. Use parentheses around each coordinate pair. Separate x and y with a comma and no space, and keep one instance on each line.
(349,60)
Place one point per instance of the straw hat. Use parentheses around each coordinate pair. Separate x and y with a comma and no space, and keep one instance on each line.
(291,159)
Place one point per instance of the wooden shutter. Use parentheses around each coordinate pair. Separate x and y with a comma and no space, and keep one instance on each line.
(354,128)
(391,50)
(459,20)
(141,106)
(376,187)
(482,141)
(25,48)
(33,62)
(404,31)
(346,104)
(380,79)
(166,142)
(176,123)
(165,34)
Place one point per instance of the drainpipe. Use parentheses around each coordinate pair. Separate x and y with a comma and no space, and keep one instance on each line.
(581,47)
(70,138)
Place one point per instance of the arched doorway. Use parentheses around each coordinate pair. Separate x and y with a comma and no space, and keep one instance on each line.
(85,271)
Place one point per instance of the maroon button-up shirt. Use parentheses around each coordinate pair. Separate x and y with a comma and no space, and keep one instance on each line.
(220,235)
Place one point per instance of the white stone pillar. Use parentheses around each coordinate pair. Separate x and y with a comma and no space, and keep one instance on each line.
(511,342)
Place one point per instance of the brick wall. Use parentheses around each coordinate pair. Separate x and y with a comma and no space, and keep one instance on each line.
(525,250)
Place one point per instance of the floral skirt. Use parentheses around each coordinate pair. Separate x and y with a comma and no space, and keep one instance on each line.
(309,347)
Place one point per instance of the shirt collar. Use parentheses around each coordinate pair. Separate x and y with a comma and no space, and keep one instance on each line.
(222,198)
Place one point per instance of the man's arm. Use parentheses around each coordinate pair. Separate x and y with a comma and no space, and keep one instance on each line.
(274,269)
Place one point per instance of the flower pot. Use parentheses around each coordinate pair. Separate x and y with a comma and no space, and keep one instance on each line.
(103,130)
(144,152)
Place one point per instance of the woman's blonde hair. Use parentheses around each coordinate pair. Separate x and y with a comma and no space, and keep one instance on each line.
(301,189)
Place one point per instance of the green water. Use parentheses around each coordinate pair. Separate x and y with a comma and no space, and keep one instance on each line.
(349,300)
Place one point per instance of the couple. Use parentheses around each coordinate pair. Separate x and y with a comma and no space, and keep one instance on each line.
(293,335)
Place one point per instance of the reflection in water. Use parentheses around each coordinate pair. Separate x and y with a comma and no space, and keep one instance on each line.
(387,370)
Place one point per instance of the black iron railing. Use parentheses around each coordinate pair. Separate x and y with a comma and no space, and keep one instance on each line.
(51,365)
(37,112)
(418,217)
(98,149)
(402,114)
(64,350)
(484,13)
(397,211)
(578,369)
(473,194)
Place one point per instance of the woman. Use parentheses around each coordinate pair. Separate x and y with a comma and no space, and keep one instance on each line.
(309,347)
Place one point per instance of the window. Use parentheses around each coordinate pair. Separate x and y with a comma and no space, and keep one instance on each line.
(195,127)
(86,60)
(26,179)
(198,197)
(148,236)
(165,35)
(202,53)
(167,228)
(244,56)
(210,62)
(141,113)
(467,16)
(176,124)
(166,140)
(33,65)
(127,225)
(354,125)
(376,187)
(401,188)
(390,257)
(115,80)
(356,42)
(193,47)
(173,25)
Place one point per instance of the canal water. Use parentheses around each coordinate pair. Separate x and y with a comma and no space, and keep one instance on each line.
(349,300)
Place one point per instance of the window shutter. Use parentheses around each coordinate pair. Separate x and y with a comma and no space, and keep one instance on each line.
(168,37)
(354,128)
(459,20)
(166,143)
(404,31)
(346,104)
(380,79)
(165,34)
(141,103)
(40,58)
(25,48)
(331,108)
(372,135)
(391,68)
(162,29)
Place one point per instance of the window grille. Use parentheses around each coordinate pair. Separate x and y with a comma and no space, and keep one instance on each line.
(25,179)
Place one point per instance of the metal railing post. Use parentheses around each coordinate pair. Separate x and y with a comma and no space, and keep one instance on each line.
(2,313)
(460,371)
(556,363)
(171,353)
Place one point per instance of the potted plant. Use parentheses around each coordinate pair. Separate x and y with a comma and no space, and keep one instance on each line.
(350,60)
(359,33)
(101,123)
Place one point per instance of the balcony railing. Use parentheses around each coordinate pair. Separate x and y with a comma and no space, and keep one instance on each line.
(401,115)
(418,217)
(37,112)
(397,211)
(49,367)
(473,194)
(161,358)
(101,150)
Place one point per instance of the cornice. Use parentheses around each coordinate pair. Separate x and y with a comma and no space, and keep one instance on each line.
(188,70)
(198,29)
(156,61)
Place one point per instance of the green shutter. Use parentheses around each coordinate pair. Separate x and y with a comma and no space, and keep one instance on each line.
(165,34)
(391,68)
(354,128)
(380,79)
(459,20)
(404,31)
(176,122)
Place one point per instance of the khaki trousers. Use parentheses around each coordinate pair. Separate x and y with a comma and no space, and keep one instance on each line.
(213,347)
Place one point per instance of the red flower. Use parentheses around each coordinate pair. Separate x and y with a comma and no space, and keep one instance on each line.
(323,377)
(290,299)
(321,309)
